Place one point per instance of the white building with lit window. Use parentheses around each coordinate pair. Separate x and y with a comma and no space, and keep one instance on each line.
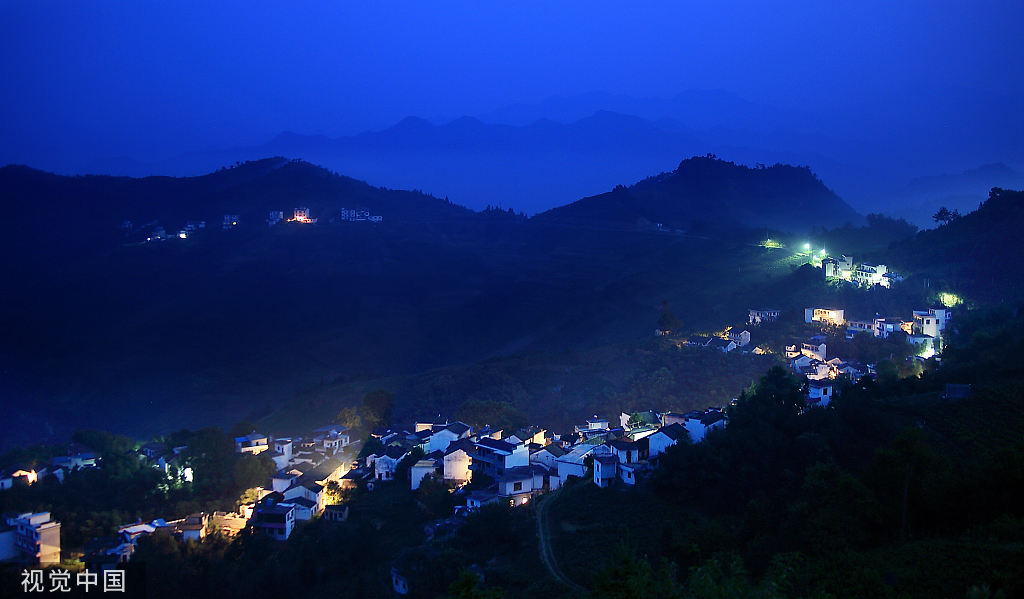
(36,537)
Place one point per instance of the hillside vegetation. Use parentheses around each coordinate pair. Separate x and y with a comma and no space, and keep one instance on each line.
(705,193)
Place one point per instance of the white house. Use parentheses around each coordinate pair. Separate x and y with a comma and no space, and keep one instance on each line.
(457,460)
(36,537)
(725,345)
(547,456)
(759,316)
(626,452)
(385,462)
(593,425)
(814,348)
(824,315)
(854,326)
(605,468)
(192,527)
(819,393)
(254,443)
(305,509)
(277,521)
(887,326)
(571,464)
(520,484)
(663,438)
(870,274)
(930,322)
(311,490)
(421,470)
(698,424)
(453,432)
(492,457)
(741,338)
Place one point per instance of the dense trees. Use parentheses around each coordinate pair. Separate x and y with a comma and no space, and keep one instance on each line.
(944,216)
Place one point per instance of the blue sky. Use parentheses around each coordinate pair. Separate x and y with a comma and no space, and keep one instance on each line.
(89,79)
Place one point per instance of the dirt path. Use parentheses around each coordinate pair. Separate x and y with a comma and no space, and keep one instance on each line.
(547,554)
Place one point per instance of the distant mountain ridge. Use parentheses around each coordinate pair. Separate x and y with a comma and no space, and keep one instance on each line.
(964,191)
(250,190)
(706,191)
(531,167)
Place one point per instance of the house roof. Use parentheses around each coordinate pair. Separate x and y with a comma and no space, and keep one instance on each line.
(303,502)
(465,445)
(577,453)
(313,486)
(496,445)
(325,468)
(278,508)
(623,444)
(553,449)
(674,431)
(395,452)
(517,473)
(711,417)
(459,428)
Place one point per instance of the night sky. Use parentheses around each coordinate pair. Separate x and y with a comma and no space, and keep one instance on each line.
(86,79)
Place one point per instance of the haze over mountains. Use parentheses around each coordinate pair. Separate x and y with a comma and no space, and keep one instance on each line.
(533,157)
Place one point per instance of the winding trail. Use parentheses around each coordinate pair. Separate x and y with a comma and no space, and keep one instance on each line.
(547,553)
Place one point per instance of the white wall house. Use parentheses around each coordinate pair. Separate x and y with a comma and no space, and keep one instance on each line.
(519,484)
(831,316)
(699,424)
(421,470)
(385,463)
(663,438)
(605,468)
(36,537)
(870,274)
(887,326)
(275,521)
(457,459)
(741,338)
(547,456)
(819,393)
(453,432)
(571,464)
(254,443)
(759,316)
(492,457)
(814,348)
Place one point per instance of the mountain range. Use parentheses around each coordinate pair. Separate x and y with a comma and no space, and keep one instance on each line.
(533,157)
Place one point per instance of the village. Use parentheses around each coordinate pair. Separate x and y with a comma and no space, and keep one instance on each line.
(479,467)
(154,231)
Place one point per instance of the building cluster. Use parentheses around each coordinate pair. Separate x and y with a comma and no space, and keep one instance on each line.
(924,327)
(160,233)
(302,215)
(726,342)
(863,274)
(533,461)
